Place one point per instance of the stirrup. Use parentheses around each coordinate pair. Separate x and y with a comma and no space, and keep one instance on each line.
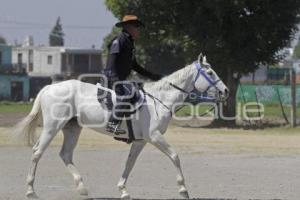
(114,128)
(127,141)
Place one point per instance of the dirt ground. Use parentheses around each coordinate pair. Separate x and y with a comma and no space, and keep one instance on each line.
(10,119)
(217,163)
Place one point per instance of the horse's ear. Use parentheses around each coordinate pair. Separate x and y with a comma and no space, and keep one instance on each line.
(204,59)
(200,58)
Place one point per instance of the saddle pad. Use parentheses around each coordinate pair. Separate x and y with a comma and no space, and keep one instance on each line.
(105,98)
(108,99)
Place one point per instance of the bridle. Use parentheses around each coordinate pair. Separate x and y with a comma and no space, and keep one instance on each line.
(203,95)
(200,96)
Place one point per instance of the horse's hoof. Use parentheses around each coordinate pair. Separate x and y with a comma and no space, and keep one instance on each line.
(125,196)
(83,191)
(31,195)
(184,193)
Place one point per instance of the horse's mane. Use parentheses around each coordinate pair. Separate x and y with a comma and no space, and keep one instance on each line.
(176,78)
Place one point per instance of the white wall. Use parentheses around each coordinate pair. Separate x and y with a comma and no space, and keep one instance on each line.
(40,59)
(24,52)
(41,67)
(296,66)
(259,76)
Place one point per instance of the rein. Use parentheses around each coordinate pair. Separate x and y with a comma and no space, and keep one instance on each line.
(203,114)
(200,97)
(160,101)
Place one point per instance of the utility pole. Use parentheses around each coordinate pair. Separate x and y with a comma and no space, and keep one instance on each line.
(293,97)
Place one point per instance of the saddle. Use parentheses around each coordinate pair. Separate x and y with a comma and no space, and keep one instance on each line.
(108,99)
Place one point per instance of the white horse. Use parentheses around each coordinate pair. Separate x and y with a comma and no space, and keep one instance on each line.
(57,104)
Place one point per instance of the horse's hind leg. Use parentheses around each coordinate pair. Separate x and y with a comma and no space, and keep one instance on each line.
(71,134)
(38,149)
(31,174)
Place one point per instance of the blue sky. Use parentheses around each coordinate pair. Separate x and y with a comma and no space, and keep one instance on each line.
(85,22)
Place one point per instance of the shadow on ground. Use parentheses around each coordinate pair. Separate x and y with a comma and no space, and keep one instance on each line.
(162,199)
(169,199)
(252,126)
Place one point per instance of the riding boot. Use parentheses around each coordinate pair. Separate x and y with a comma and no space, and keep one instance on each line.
(113,126)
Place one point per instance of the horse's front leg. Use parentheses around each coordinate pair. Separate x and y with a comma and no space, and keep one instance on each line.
(159,141)
(136,148)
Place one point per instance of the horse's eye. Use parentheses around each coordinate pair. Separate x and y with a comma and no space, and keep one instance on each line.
(209,72)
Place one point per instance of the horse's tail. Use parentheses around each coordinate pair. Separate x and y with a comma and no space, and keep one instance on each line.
(25,130)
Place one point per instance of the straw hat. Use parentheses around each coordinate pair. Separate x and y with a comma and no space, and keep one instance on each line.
(130,19)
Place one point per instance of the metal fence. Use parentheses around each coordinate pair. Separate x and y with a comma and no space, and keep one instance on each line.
(13,69)
(276,101)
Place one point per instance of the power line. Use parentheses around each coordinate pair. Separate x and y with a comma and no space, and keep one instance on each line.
(21,22)
(33,25)
(20,28)
(67,27)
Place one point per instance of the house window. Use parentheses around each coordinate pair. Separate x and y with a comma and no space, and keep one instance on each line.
(30,59)
(30,56)
(30,68)
(20,58)
(0,57)
(50,60)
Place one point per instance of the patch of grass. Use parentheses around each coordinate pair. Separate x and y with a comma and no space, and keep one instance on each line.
(12,107)
(275,110)
(193,110)
(270,110)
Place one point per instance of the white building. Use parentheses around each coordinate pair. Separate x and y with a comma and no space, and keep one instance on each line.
(296,66)
(259,76)
(44,61)
(45,65)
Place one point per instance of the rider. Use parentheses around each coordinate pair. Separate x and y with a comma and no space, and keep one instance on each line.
(121,60)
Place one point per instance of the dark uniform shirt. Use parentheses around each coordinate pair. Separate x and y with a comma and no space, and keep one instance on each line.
(121,59)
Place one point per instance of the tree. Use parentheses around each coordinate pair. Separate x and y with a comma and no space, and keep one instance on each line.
(236,35)
(107,40)
(2,40)
(56,36)
(155,52)
(296,53)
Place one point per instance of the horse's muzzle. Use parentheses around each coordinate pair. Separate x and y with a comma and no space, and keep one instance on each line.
(223,95)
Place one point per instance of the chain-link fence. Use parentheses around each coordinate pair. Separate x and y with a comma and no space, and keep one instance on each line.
(275,101)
